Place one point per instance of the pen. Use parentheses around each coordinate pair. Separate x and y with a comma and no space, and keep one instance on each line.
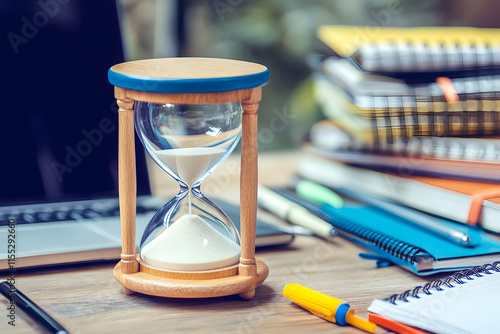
(18,299)
(317,193)
(312,191)
(293,213)
(326,307)
(420,219)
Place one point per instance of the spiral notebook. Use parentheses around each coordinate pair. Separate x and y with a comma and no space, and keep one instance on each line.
(394,239)
(387,49)
(378,108)
(463,303)
(476,159)
(329,135)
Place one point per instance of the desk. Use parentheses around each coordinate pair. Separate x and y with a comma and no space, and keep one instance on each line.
(87,298)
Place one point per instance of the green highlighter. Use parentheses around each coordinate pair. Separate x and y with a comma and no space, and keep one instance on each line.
(318,194)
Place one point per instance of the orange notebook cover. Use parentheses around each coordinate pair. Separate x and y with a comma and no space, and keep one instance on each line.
(478,191)
(464,187)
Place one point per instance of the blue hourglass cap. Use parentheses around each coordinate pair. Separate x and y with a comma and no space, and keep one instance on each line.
(188,75)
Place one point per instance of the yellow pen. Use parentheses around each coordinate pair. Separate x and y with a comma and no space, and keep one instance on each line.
(326,307)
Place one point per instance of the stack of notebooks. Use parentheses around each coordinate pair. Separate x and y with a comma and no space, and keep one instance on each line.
(413,117)
(427,93)
(394,91)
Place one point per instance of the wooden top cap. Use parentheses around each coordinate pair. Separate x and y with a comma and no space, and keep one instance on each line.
(188,75)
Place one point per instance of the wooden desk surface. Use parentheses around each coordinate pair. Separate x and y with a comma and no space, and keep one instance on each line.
(87,298)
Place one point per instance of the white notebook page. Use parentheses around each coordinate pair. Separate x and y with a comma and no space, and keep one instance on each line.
(472,307)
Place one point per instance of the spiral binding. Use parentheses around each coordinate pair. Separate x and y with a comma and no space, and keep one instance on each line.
(348,228)
(390,57)
(457,277)
(464,149)
(398,116)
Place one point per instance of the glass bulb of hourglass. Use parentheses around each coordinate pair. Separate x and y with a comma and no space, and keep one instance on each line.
(189,141)
(191,163)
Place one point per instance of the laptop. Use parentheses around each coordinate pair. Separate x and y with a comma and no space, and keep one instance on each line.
(59,141)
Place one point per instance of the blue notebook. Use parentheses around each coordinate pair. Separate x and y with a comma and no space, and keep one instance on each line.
(394,239)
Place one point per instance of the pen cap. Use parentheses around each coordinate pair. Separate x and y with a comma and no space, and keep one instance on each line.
(324,306)
(318,194)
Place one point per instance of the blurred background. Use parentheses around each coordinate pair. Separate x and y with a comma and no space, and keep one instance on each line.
(279,34)
(54,56)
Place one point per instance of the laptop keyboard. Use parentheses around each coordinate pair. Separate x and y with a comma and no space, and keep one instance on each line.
(65,212)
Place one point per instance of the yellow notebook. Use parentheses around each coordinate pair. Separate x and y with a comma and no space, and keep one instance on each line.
(427,49)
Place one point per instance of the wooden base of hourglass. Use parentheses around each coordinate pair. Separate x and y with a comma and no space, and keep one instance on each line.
(194,284)
(240,279)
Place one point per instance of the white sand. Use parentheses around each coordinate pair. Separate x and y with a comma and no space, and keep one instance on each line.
(191,244)
(190,163)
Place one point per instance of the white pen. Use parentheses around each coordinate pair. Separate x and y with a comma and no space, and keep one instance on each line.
(294,213)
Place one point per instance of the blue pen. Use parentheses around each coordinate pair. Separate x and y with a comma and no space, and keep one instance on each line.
(20,300)
(420,219)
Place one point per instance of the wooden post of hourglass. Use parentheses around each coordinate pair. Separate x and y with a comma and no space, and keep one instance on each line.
(189,81)
(127,182)
(248,186)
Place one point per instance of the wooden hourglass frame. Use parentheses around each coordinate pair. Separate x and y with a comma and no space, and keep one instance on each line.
(189,81)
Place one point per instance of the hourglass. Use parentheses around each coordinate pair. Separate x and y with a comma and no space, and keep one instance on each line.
(189,114)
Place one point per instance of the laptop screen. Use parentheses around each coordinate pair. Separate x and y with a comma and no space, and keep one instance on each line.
(59,135)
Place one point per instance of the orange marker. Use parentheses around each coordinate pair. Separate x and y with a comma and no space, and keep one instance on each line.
(394,325)
(326,307)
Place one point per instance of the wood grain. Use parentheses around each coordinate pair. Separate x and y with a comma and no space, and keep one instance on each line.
(191,98)
(189,275)
(186,288)
(248,183)
(188,68)
(127,181)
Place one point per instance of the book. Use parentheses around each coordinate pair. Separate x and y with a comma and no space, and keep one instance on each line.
(443,168)
(454,199)
(457,158)
(463,303)
(328,135)
(423,49)
(361,84)
(378,108)
(400,242)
